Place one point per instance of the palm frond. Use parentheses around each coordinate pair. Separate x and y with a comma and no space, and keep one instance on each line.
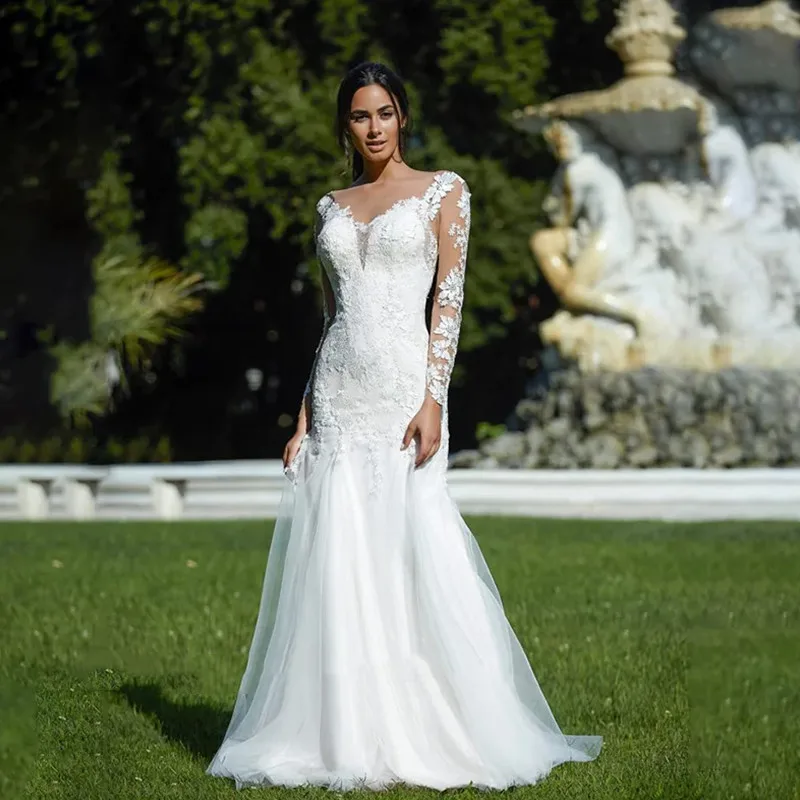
(138,305)
(79,386)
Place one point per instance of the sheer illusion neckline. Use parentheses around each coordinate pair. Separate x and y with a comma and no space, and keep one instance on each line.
(348,209)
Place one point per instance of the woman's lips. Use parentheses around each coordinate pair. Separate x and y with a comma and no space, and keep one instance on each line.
(375,145)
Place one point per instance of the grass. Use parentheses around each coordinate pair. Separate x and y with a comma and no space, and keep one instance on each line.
(123,645)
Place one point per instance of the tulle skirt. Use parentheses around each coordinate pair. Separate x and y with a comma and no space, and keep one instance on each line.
(382,653)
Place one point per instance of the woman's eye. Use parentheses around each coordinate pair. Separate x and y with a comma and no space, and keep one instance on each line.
(365,117)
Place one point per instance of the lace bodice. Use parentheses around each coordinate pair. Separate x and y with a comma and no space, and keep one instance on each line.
(375,359)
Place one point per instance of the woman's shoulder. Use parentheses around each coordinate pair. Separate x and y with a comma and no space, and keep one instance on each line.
(445,180)
(439,183)
(446,176)
(324,203)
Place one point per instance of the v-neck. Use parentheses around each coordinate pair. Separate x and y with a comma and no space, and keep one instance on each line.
(348,210)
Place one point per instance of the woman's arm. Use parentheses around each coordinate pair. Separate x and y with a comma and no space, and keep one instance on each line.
(328,312)
(448,299)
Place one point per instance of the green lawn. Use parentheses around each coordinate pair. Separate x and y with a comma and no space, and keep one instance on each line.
(123,644)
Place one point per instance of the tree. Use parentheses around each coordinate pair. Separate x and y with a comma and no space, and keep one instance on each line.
(136,304)
(220,113)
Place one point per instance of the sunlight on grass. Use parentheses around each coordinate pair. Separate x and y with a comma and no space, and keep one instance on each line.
(123,645)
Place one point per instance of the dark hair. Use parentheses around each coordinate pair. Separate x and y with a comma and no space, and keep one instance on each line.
(366,74)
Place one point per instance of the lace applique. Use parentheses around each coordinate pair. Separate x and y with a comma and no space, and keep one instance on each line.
(323,204)
(454,225)
(443,182)
(327,297)
(376,358)
(376,474)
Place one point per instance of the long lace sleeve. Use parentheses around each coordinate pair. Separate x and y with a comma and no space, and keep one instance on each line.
(328,300)
(448,299)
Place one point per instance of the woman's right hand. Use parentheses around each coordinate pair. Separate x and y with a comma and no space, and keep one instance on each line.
(292,446)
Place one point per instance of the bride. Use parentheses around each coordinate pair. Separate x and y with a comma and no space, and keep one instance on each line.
(382,653)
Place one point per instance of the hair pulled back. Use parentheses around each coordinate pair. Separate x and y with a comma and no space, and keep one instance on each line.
(369,73)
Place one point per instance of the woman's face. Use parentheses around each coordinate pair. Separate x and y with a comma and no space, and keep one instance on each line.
(373,124)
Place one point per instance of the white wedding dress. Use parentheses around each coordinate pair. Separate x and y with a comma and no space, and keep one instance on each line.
(382,653)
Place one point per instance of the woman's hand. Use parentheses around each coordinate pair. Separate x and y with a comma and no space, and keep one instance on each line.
(427,424)
(292,446)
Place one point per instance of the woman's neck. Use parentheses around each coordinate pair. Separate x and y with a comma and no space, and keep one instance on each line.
(381,171)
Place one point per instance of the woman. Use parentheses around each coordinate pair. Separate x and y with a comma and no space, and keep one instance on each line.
(382,653)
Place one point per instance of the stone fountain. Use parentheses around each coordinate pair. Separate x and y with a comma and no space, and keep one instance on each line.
(674,247)
(671,243)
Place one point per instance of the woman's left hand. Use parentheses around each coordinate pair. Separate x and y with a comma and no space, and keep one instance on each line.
(427,424)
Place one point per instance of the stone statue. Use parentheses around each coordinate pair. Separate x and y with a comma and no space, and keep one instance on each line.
(587,193)
(592,258)
(776,166)
(673,242)
(746,216)
(718,236)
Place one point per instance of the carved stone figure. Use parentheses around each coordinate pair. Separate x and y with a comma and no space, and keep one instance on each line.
(629,310)
(677,241)
(777,169)
(722,240)
(746,214)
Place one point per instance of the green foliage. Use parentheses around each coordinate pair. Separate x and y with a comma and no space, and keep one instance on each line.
(216,236)
(249,91)
(135,309)
(71,447)
(79,386)
(162,452)
(675,642)
(221,113)
(108,203)
(488,430)
(137,303)
(77,450)
(496,46)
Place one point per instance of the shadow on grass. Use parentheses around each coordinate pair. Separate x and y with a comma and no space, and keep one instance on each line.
(198,727)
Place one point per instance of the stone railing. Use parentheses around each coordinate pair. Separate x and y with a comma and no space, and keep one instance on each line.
(252,490)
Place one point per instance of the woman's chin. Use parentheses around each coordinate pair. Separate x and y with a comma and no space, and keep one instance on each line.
(377,156)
